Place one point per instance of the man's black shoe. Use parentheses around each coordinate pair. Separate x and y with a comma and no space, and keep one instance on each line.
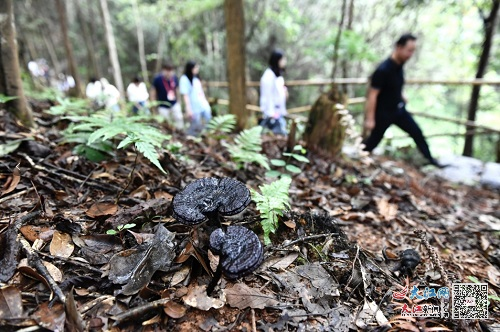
(438,164)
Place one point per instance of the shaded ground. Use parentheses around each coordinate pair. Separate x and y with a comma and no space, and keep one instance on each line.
(324,270)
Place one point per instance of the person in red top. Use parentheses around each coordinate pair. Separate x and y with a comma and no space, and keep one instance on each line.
(164,90)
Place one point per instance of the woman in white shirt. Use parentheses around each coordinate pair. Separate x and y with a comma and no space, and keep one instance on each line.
(137,93)
(273,94)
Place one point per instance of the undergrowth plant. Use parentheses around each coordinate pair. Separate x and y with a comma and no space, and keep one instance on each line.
(272,203)
(99,128)
(70,107)
(5,99)
(221,125)
(284,164)
(246,148)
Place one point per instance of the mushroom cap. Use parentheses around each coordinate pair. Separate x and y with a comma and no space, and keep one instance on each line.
(240,250)
(208,196)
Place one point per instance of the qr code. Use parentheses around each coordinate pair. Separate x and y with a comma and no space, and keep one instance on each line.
(470,301)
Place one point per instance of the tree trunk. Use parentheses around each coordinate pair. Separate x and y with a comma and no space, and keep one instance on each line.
(10,76)
(51,50)
(92,61)
(489,25)
(235,39)
(324,133)
(160,50)
(345,62)
(113,52)
(77,91)
(140,40)
(337,39)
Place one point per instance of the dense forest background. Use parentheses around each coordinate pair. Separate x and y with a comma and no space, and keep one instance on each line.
(450,36)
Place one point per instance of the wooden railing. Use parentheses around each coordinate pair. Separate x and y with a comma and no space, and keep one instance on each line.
(293,112)
(361,81)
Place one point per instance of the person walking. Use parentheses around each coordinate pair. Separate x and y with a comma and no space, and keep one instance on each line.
(273,95)
(197,107)
(386,104)
(164,90)
(137,93)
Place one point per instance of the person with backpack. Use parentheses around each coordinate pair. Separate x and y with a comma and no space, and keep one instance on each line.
(273,95)
(197,107)
(164,90)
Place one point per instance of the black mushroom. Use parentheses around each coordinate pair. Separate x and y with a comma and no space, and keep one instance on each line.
(409,259)
(208,198)
(240,251)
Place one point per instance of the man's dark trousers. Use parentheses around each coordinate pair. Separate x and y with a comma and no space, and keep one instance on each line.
(403,120)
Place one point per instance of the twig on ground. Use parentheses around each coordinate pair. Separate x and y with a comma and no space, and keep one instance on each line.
(432,254)
(101,186)
(22,192)
(70,261)
(304,239)
(36,262)
(139,311)
(254,325)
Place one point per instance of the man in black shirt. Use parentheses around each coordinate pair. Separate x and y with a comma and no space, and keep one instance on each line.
(385,103)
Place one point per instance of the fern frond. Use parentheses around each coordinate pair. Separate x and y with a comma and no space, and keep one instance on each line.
(271,204)
(247,148)
(221,124)
(149,151)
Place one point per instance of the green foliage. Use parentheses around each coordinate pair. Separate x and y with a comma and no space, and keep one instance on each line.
(285,164)
(246,148)
(5,99)
(220,125)
(100,129)
(70,107)
(119,228)
(271,204)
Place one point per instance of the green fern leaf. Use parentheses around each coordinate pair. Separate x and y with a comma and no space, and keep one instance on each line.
(149,151)
(221,124)
(247,148)
(271,204)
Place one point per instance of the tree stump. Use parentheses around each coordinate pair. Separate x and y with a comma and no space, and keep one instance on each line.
(323,132)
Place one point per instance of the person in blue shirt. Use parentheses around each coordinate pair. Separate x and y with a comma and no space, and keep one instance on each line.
(164,91)
(197,107)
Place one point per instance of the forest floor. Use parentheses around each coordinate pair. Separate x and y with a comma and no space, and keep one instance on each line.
(324,270)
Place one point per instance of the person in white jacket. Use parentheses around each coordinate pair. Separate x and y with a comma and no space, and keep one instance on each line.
(137,93)
(273,95)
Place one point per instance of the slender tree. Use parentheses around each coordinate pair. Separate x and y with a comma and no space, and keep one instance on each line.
(113,52)
(10,76)
(337,39)
(235,31)
(91,54)
(140,40)
(77,91)
(489,25)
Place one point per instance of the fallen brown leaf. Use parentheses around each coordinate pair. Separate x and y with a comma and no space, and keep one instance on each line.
(11,304)
(12,182)
(197,297)
(386,209)
(102,209)
(241,296)
(61,245)
(174,310)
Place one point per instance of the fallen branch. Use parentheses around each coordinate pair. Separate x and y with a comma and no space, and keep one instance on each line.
(35,261)
(138,312)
